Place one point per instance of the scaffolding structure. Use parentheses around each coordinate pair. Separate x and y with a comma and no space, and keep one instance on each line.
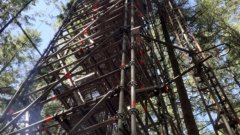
(108,67)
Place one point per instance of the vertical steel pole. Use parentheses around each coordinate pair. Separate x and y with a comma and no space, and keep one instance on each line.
(122,84)
(133,80)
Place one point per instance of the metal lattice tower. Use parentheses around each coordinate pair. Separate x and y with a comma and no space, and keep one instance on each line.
(107,67)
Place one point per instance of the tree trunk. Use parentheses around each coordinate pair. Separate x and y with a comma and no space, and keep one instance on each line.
(185,103)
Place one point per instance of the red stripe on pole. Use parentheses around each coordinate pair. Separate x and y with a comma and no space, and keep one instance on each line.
(141,61)
(48,119)
(81,50)
(53,98)
(122,66)
(85,32)
(68,75)
(133,104)
(141,52)
(95,6)
(145,108)
(166,89)
(81,41)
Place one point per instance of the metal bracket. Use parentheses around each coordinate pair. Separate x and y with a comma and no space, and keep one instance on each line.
(133,111)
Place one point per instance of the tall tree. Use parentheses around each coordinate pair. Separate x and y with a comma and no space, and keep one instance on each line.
(15,54)
(218,27)
(183,97)
(10,11)
(15,48)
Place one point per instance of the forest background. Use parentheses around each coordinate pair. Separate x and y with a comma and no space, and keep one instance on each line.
(216,24)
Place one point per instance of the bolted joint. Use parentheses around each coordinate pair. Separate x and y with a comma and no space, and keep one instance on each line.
(122,116)
(133,111)
(132,62)
(132,83)
(136,30)
(116,90)
(125,29)
(122,66)
(124,51)
(132,46)
(121,87)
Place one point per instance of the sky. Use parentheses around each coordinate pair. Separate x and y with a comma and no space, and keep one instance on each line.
(44,19)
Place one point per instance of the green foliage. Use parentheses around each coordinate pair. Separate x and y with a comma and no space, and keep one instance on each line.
(14,55)
(14,50)
(9,8)
(51,108)
(217,23)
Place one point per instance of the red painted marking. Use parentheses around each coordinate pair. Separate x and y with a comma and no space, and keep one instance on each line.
(81,41)
(122,66)
(133,104)
(145,108)
(141,52)
(68,75)
(48,119)
(142,86)
(53,98)
(86,31)
(166,89)
(81,50)
(95,6)
(141,61)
